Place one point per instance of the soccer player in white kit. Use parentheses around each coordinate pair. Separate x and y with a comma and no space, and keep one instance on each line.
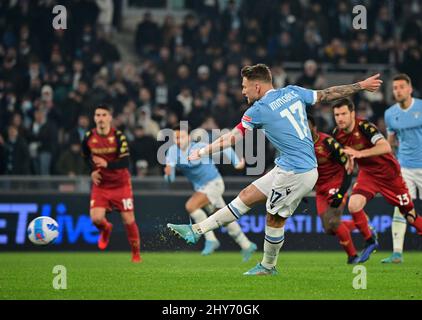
(404,128)
(281,113)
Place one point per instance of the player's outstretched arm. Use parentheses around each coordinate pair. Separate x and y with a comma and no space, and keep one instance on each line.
(225,141)
(237,163)
(333,93)
(381,147)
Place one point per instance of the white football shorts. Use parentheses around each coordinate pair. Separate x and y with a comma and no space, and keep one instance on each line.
(285,189)
(214,191)
(413,179)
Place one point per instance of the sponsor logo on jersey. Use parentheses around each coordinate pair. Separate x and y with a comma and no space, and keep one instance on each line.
(103,150)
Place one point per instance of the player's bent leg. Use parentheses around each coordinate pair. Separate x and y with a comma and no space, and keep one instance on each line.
(197,201)
(194,206)
(99,220)
(413,219)
(286,192)
(239,206)
(235,231)
(274,239)
(356,204)
(331,220)
(132,232)
(214,191)
(233,211)
(98,216)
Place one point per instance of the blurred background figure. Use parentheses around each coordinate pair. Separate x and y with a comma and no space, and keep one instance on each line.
(161,66)
(70,163)
(15,155)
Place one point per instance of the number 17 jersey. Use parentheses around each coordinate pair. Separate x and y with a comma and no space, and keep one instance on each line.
(281,113)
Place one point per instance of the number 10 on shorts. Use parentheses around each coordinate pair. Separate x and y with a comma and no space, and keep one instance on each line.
(127,204)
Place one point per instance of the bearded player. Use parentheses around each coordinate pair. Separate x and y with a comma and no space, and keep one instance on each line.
(379,171)
(107,152)
(404,125)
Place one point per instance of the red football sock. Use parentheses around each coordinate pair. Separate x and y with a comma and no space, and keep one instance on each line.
(361,222)
(102,225)
(133,237)
(418,224)
(350,224)
(343,234)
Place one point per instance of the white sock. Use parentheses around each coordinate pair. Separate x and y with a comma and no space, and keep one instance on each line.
(199,215)
(223,216)
(398,230)
(237,234)
(274,239)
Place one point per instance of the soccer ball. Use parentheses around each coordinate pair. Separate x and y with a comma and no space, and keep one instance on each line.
(43,230)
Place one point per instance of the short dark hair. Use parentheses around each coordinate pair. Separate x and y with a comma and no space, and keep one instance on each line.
(259,72)
(402,76)
(104,107)
(344,102)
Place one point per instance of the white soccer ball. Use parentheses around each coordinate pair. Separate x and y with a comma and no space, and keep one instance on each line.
(43,230)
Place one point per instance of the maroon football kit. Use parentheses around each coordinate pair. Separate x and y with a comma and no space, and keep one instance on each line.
(115,188)
(331,162)
(377,174)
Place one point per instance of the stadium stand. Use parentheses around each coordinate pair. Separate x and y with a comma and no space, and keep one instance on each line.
(51,79)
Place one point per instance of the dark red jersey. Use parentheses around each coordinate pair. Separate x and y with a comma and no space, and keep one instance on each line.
(113,148)
(364,136)
(331,161)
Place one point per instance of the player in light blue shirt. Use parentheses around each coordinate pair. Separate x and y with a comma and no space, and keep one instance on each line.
(281,114)
(404,128)
(199,172)
(278,112)
(208,186)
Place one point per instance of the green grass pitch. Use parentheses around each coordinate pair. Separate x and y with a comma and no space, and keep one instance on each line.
(187,276)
